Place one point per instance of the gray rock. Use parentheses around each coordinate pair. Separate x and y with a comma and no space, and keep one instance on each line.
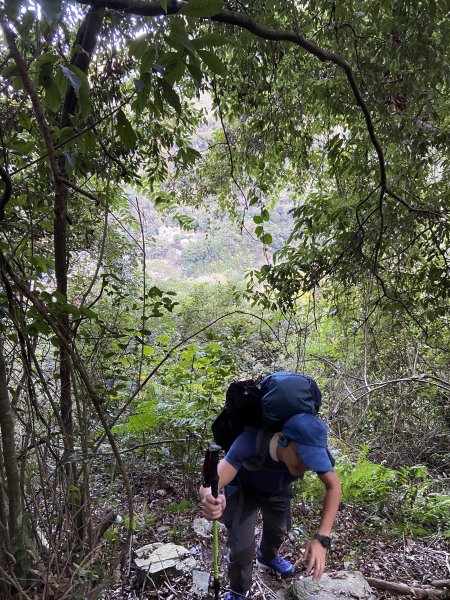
(200,583)
(154,559)
(202,527)
(340,585)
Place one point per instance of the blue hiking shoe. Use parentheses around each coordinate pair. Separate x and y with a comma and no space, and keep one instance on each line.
(233,596)
(280,566)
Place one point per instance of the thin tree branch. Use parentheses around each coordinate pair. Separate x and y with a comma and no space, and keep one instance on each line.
(78,364)
(169,354)
(416,209)
(145,8)
(43,125)
(90,127)
(6,192)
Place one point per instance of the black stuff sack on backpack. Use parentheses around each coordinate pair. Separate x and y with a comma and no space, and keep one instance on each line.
(242,408)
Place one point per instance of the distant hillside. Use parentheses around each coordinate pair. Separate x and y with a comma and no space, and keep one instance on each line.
(214,249)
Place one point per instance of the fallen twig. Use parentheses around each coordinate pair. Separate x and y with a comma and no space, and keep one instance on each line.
(402,588)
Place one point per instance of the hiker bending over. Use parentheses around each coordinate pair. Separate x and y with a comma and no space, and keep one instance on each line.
(299,447)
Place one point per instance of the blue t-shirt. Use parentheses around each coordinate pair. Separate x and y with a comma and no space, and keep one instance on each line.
(274,477)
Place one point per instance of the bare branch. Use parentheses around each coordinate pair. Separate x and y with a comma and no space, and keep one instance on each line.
(7,191)
(416,209)
(141,7)
(7,271)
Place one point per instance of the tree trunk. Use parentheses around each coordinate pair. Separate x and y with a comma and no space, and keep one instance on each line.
(4,529)
(13,492)
(86,39)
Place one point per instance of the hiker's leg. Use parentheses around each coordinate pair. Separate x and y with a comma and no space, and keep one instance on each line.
(240,519)
(276,513)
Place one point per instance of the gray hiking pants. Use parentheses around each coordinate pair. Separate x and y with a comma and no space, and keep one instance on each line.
(239,518)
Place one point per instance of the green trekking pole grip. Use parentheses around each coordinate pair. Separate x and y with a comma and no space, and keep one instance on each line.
(210,469)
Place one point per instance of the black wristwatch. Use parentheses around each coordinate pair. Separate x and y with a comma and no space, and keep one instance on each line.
(323,539)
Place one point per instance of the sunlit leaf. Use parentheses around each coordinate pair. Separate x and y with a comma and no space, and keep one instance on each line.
(74,79)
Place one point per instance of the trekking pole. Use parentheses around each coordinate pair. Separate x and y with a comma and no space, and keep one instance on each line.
(211,479)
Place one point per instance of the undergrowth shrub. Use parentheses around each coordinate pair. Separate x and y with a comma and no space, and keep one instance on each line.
(408,498)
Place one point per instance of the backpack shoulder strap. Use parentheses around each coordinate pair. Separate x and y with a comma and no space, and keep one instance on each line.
(256,462)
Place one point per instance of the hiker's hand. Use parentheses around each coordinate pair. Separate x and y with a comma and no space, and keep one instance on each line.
(315,554)
(213,507)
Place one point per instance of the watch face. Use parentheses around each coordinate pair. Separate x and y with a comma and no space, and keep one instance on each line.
(323,539)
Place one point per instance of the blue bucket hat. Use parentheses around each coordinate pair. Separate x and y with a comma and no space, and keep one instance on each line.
(309,433)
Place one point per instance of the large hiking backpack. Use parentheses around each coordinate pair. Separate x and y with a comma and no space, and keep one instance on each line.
(266,406)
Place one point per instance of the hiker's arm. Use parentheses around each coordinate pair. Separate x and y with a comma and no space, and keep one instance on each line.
(315,553)
(331,502)
(213,507)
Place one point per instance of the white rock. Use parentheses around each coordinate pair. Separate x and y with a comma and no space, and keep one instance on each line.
(153,560)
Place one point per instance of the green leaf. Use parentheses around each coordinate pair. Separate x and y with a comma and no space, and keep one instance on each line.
(148,58)
(209,40)
(65,134)
(12,8)
(51,9)
(180,43)
(126,131)
(89,313)
(52,97)
(170,95)
(22,148)
(111,534)
(138,46)
(259,230)
(202,8)
(257,219)
(195,71)
(178,27)
(164,5)
(44,73)
(47,57)
(60,80)
(167,58)
(267,238)
(175,71)
(148,351)
(85,103)
(79,82)
(213,62)
(88,141)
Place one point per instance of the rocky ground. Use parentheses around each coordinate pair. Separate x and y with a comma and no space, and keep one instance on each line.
(164,516)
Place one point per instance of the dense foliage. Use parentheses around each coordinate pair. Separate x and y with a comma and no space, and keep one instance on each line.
(320,131)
